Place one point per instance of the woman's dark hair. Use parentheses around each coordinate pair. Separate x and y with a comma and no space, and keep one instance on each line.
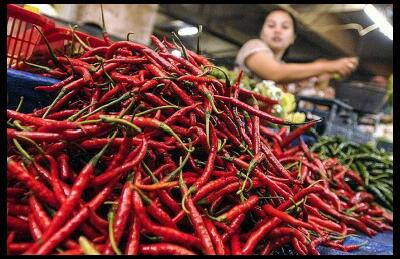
(295,26)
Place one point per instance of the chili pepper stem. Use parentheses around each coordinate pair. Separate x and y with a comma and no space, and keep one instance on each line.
(207,113)
(76,115)
(177,170)
(114,246)
(156,109)
(168,130)
(87,246)
(121,98)
(58,97)
(183,186)
(120,121)
(23,152)
(212,102)
(52,54)
(227,82)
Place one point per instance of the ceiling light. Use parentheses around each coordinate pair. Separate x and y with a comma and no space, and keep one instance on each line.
(186,31)
(384,26)
(43,8)
(176,53)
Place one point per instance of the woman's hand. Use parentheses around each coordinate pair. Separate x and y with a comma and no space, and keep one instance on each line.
(343,66)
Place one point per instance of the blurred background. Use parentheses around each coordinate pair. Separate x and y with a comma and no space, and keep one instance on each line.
(325,30)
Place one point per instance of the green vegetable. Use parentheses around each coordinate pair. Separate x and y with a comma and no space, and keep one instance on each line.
(373,165)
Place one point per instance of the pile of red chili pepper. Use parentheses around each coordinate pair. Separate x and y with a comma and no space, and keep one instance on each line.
(142,152)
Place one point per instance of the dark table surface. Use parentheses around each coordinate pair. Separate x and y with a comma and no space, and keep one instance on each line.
(380,244)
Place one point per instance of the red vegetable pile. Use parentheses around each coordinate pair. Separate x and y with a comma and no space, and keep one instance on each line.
(142,152)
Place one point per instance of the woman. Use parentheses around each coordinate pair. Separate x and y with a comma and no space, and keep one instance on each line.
(263,57)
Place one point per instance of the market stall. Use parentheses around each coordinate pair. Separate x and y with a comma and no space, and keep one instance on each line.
(115,147)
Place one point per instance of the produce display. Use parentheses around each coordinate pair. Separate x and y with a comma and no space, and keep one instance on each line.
(144,152)
(375,167)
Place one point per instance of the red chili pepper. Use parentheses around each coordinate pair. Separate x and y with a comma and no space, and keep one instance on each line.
(263,178)
(247,93)
(17,209)
(239,122)
(148,85)
(66,172)
(374,211)
(280,231)
(17,248)
(17,224)
(355,177)
(95,51)
(164,249)
(325,223)
(297,132)
(161,61)
(132,246)
(158,43)
(75,62)
(213,185)
(348,220)
(129,60)
(63,98)
(276,164)
(202,180)
(121,154)
(197,221)
(54,124)
(66,208)
(34,185)
(49,244)
(256,132)
(255,112)
(166,233)
(62,115)
(134,158)
(234,227)
(236,246)
(239,209)
(367,220)
(106,69)
(275,244)
(121,218)
(10,238)
(228,121)
(156,211)
(215,237)
(302,250)
(122,44)
(34,228)
(198,58)
(55,87)
(285,217)
(193,69)
(259,234)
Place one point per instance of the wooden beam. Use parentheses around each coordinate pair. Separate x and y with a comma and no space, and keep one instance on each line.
(329,8)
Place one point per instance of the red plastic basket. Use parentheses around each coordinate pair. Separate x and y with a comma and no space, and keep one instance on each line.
(25,42)
(21,35)
(60,39)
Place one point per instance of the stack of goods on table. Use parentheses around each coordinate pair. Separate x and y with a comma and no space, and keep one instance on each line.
(143,152)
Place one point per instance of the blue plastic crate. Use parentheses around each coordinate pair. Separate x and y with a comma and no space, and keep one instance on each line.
(21,83)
